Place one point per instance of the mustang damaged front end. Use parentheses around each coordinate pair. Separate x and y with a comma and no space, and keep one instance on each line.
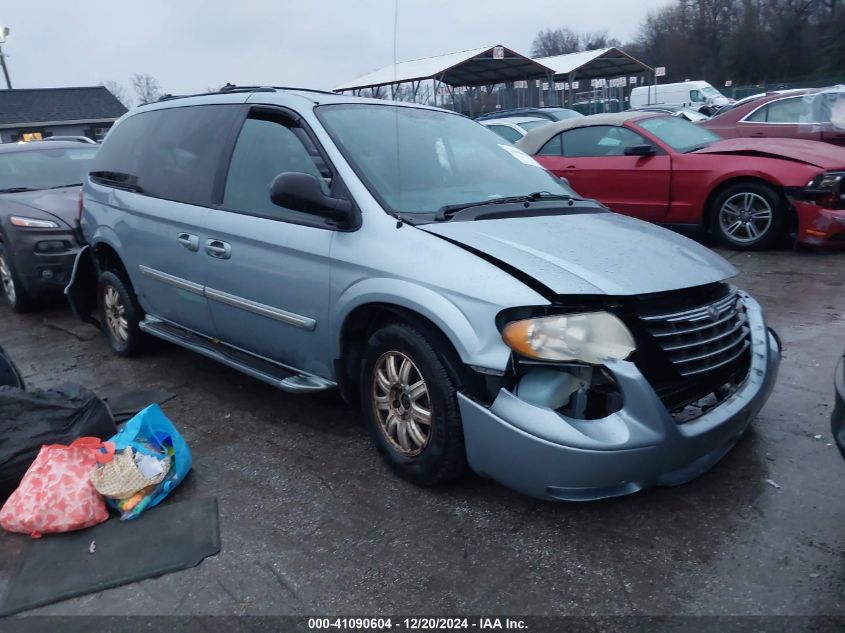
(607,396)
(820,209)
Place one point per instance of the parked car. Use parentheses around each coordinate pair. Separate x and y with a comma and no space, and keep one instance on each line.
(513,128)
(837,418)
(480,313)
(597,105)
(550,113)
(797,114)
(39,199)
(680,111)
(748,192)
(694,94)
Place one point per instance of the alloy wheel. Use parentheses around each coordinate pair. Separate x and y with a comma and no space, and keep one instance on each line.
(745,217)
(115,313)
(401,403)
(6,281)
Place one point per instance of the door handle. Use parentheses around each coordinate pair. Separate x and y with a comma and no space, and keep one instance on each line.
(758,134)
(570,166)
(191,242)
(218,249)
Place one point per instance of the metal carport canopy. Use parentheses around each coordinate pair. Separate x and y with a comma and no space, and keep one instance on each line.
(476,67)
(599,63)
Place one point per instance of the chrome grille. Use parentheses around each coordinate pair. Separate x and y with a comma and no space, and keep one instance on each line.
(704,338)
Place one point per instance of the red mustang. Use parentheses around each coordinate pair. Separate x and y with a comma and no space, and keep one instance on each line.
(749,192)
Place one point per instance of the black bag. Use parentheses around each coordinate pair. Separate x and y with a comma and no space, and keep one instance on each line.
(30,419)
(9,374)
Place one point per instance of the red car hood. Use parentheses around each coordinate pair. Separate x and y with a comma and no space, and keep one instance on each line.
(816,153)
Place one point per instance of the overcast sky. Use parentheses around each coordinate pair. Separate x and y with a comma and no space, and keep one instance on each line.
(192,45)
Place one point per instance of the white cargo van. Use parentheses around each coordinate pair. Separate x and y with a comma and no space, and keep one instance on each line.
(687,93)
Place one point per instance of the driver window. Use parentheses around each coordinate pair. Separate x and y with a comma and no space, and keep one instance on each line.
(599,140)
(552,147)
(266,148)
(695,96)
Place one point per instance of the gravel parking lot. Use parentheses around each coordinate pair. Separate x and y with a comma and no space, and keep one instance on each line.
(313,522)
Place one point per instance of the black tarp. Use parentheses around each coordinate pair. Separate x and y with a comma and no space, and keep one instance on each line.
(30,419)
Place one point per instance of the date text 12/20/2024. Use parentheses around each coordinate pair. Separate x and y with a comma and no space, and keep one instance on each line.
(416,624)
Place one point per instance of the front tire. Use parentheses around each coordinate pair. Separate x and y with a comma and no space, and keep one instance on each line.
(409,402)
(10,285)
(120,315)
(749,216)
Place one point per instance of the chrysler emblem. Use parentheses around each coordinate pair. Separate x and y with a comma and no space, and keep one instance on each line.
(713,313)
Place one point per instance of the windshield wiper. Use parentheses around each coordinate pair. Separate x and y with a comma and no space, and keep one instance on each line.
(73,184)
(446,212)
(16,190)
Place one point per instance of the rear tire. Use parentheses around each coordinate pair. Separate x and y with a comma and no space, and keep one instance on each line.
(409,401)
(120,315)
(749,216)
(10,285)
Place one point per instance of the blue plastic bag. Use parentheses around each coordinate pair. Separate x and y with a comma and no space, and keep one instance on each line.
(150,432)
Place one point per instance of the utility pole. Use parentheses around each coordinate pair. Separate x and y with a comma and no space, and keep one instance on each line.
(4,32)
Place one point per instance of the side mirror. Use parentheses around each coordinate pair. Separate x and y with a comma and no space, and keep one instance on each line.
(640,150)
(302,192)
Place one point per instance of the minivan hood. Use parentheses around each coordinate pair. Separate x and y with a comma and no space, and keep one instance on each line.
(601,253)
(823,155)
(62,203)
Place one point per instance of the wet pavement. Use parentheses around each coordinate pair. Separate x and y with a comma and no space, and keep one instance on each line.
(313,522)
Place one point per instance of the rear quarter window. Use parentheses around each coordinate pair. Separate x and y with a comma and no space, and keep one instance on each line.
(172,153)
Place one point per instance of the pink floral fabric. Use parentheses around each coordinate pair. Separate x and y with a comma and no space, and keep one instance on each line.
(56,494)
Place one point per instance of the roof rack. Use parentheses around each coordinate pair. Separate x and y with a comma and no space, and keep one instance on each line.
(227,88)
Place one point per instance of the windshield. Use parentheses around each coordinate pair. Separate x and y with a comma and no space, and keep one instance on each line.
(44,168)
(530,125)
(710,91)
(419,161)
(679,134)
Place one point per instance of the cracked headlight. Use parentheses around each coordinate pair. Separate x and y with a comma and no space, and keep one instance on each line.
(588,337)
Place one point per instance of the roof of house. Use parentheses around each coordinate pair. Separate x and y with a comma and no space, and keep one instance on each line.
(42,105)
(474,67)
(601,62)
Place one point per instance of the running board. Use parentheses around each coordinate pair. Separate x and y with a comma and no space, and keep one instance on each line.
(281,377)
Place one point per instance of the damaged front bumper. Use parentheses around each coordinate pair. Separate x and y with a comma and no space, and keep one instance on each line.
(545,454)
(819,226)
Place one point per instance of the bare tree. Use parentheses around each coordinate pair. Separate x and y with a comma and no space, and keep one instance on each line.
(597,39)
(555,42)
(119,91)
(146,88)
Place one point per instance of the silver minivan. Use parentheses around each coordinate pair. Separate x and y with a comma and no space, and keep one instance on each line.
(480,314)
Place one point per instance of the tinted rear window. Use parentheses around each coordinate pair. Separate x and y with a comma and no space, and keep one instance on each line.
(172,153)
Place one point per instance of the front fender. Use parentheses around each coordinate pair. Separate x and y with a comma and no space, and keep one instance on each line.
(471,328)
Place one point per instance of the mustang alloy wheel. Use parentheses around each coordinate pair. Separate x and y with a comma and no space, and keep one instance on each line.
(401,403)
(749,215)
(745,217)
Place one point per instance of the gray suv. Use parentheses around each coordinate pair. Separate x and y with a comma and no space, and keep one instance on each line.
(479,312)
